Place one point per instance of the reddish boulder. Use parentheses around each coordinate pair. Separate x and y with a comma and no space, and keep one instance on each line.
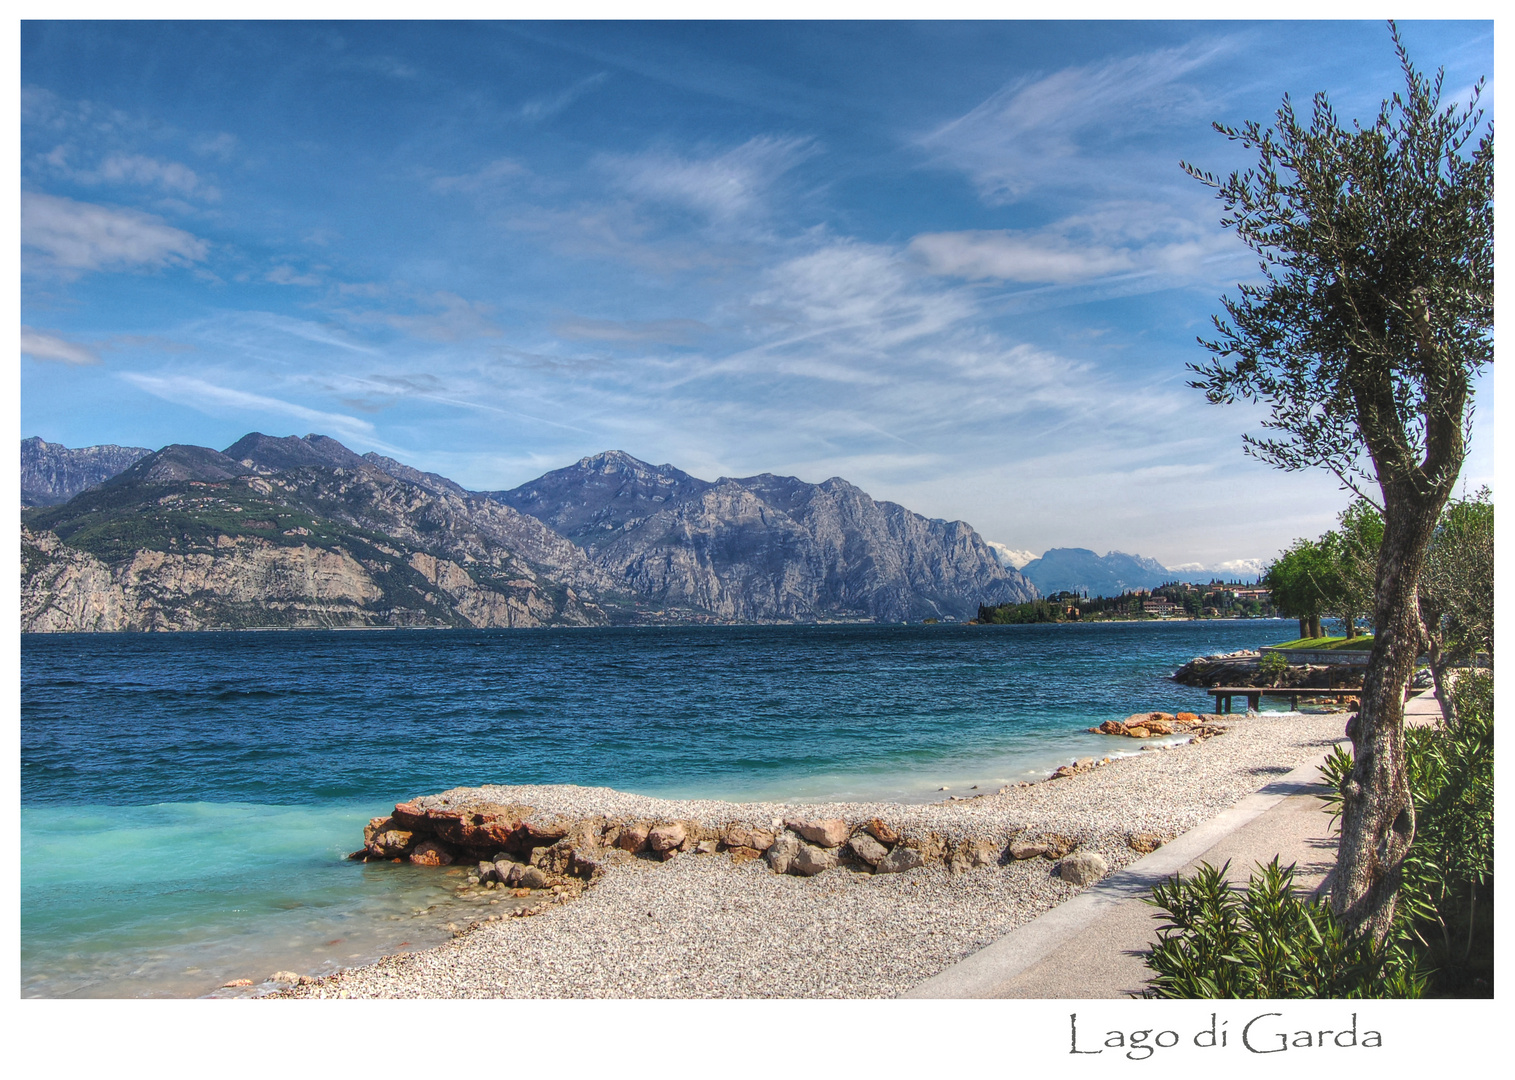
(390,843)
(668,836)
(742,836)
(827,832)
(881,832)
(633,838)
(430,853)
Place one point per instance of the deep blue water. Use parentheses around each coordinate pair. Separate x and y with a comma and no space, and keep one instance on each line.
(187,798)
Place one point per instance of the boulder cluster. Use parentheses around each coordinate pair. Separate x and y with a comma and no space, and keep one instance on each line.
(1148,724)
(514,848)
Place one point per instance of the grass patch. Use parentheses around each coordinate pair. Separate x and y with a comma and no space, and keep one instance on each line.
(1363,642)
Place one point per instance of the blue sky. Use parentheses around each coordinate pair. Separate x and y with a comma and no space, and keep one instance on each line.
(954,263)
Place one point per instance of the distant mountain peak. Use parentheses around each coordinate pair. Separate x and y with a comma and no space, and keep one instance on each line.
(292,452)
(52,474)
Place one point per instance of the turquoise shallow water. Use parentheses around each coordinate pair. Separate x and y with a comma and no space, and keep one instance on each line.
(188,798)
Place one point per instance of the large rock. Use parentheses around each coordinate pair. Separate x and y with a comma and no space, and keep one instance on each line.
(899,860)
(1022,849)
(667,837)
(431,853)
(828,832)
(782,851)
(531,877)
(971,854)
(810,860)
(881,832)
(1082,868)
(391,844)
(743,836)
(633,838)
(868,849)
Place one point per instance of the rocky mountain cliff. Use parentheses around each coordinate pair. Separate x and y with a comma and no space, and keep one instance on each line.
(766,548)
(53,474)
(303,532)
(270,533)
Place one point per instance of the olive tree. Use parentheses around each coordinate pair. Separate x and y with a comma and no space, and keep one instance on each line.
(1373,315)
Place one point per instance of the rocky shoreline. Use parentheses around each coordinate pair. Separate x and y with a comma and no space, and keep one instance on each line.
(514,846)
(1243,668)
(702,898)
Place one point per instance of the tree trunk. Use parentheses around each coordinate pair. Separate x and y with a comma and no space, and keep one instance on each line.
(1304,628)
(1437,659)
(1378,818)
(1315,626)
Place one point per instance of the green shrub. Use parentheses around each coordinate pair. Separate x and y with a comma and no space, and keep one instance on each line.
(1445,911)
(1272,667)
(1265,942)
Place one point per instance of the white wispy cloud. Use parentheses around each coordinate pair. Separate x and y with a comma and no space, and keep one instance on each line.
(1032,131)
(208,397)
(442,316)
(721,187)
(484,178)
(284,274)
(72,237)
(863,297)
(1115,238)
(544,108)
(151,172)
(655,331)
(43,346)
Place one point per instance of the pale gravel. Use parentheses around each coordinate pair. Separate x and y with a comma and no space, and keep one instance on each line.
(700,926)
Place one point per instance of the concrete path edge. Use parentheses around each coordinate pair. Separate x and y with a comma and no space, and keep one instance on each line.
(988,972)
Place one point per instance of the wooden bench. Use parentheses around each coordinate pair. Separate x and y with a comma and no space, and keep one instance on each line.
(1254,694)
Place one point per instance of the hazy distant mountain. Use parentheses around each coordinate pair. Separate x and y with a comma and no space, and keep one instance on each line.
(767,548)
(52,474)
(1081,570)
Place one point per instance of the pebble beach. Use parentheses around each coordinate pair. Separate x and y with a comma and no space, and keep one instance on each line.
(704,926)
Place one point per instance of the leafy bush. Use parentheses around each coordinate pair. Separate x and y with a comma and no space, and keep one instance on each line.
(1446,904)
(1268,943)
(1265,942)
(1272,667)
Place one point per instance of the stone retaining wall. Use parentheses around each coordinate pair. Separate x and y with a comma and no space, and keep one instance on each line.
(1329,657)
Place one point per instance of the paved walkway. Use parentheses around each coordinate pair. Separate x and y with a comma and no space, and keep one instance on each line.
(1092,946)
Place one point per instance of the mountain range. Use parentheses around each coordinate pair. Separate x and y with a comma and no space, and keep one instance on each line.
(305,532)
(1080,570)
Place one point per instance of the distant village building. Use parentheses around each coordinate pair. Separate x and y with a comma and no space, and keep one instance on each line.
(1160,606)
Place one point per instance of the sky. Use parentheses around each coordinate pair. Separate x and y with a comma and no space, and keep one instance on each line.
(954,263)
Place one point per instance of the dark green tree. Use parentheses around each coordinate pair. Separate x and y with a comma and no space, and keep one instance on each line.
(1353,548)
(1300,581)
(1373,315)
